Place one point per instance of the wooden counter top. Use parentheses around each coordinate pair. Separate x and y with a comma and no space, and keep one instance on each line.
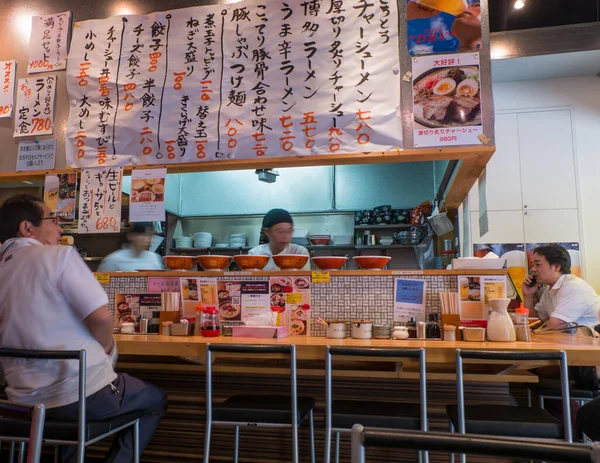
(580,350)
(308,273)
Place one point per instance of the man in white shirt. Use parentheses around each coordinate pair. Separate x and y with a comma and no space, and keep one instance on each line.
(278,226)
(136,255)
(568,299)
(49,299)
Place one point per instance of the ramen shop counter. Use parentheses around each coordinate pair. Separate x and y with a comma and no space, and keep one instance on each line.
(580,350)
(183,274)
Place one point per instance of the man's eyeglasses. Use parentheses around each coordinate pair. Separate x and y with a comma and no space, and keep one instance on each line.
(52,219)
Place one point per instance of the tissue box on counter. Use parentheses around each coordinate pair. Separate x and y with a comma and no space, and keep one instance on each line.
(267,332)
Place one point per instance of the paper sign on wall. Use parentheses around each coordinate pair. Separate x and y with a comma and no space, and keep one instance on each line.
(447,100)
(147,200)
(35,106)
(409,299)
(59,194)
(36,155)
(48,42)
(163,285)
(100,200)
(7,95)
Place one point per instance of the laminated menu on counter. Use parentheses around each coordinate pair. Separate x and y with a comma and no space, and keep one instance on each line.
(409,299)
(128,307)
(473,295)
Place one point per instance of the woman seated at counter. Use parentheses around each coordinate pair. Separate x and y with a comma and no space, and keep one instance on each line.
(278,227)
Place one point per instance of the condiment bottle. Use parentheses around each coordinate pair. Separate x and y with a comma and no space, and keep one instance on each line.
(210,321)
(412,329)
(522,324)
(198,320)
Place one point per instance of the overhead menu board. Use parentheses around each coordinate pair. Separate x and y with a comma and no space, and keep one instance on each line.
(244,80)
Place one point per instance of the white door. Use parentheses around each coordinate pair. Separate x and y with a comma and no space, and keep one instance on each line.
(503,172)
(547,160)
(557,226)
(504,227)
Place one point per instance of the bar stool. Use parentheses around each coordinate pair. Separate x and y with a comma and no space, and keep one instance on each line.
(341,415)
(502,420)
(549,388)
(35,415)
(267,411)
(81,433)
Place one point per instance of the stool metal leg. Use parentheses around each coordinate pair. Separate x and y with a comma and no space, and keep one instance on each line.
(22,452)
(11,455)
(236,446)
(136,442)
(451,453)
(529,397)
(311,425)
(337,447)
(207,439)
(56,453)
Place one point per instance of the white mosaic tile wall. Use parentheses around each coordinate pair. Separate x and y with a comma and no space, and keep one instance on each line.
(345,297)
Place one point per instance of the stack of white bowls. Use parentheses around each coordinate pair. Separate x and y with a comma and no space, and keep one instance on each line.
(300,236)
(342,240)
(221,245)
(202,240)
(237,240)
(183,242)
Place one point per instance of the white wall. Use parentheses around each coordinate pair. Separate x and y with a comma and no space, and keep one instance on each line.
(582,95)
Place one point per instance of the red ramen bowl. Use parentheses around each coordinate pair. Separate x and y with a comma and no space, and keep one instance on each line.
(372,262)
(319,241)
(213,262)
(179,262)
(290,261)
(251,262)
(329,262)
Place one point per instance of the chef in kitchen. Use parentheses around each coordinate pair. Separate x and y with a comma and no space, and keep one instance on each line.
(567,299)
(278,227)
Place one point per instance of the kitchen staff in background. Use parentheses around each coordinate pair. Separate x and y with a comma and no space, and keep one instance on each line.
(136,254)
(568,298)
(278,227)
(50,300)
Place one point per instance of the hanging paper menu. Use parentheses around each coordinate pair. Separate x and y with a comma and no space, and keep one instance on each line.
(35,106)
(7,95)
(147,200)
(249,80)
(100,200)
(48,42)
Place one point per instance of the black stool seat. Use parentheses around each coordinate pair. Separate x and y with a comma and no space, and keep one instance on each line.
(66,430)
(551,387)
(504,420)
(347,413)
(261,409)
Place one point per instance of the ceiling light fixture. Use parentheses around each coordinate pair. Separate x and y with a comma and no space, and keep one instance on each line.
(519,4)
